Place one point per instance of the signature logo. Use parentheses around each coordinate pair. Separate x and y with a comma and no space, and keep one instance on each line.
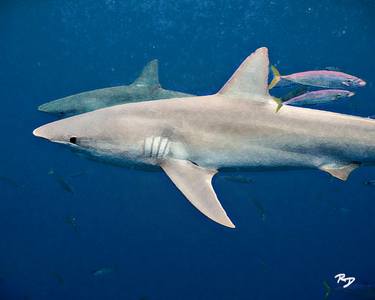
(347,280)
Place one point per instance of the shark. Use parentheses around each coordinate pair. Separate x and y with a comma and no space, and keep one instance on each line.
(192,139)
(145,88)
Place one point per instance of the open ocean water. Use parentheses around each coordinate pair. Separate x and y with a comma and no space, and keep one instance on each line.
(115,233)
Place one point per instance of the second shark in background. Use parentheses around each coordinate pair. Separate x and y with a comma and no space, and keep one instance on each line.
(145,88)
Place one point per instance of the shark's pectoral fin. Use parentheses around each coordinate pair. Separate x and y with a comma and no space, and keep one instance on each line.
(149,75)
(340,171)
(195,183)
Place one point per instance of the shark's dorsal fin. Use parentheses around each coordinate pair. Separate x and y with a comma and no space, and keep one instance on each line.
(251,78)
(340,171)
(149,75)
(195,183)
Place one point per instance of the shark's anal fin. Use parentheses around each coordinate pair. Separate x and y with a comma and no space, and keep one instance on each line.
(195,183)
(340,171)
(251,77)
(149,75)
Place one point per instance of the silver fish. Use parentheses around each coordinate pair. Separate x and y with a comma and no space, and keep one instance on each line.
(102,271)
(319,97)
(319,78)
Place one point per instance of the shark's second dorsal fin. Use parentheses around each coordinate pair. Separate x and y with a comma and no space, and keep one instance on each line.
(251,78)
(149,75)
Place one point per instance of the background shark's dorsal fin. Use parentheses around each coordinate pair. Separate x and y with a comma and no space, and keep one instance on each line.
(149,75)
(251,78)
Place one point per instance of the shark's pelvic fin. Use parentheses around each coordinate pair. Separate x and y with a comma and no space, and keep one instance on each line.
(149,75)
(251,78)
(195,183)
(340,171)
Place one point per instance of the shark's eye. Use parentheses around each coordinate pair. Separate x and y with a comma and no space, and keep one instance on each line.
(73,140)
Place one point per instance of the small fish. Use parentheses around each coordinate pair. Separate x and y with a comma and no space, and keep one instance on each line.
(260,209)
(369,182)
(9,181)
(58,277)
(263,264)
(357,290)
(72,221)
(102,271)
(327,290)
(316,97)
(65,186)
(78,174)
(333,69)
(239,179)
(320,78)
(344,211)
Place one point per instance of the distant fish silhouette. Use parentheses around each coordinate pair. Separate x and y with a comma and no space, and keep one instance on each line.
(333,69)
(357,290)
(102,271)
(9,181)
(327,290)
(239,179)
(78,174)
(72,221)
(370,182)
(260,208)
(58,278)
(61,181)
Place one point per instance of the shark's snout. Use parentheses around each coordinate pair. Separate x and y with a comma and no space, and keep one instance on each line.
(47,108)
(43,108)
(54,107)
(41,132)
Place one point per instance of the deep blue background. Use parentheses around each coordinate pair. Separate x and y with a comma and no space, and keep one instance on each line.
(137,222)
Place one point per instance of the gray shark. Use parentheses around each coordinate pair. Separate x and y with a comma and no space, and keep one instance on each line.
(146,87)
(192,138)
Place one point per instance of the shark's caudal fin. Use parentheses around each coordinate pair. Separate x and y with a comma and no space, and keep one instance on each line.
(251,78)
(195,183)
(149,75)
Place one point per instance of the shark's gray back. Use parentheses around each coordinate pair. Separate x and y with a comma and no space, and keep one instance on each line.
(145,88)
(221,132)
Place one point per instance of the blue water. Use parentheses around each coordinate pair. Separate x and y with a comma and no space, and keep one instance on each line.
(138,223)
